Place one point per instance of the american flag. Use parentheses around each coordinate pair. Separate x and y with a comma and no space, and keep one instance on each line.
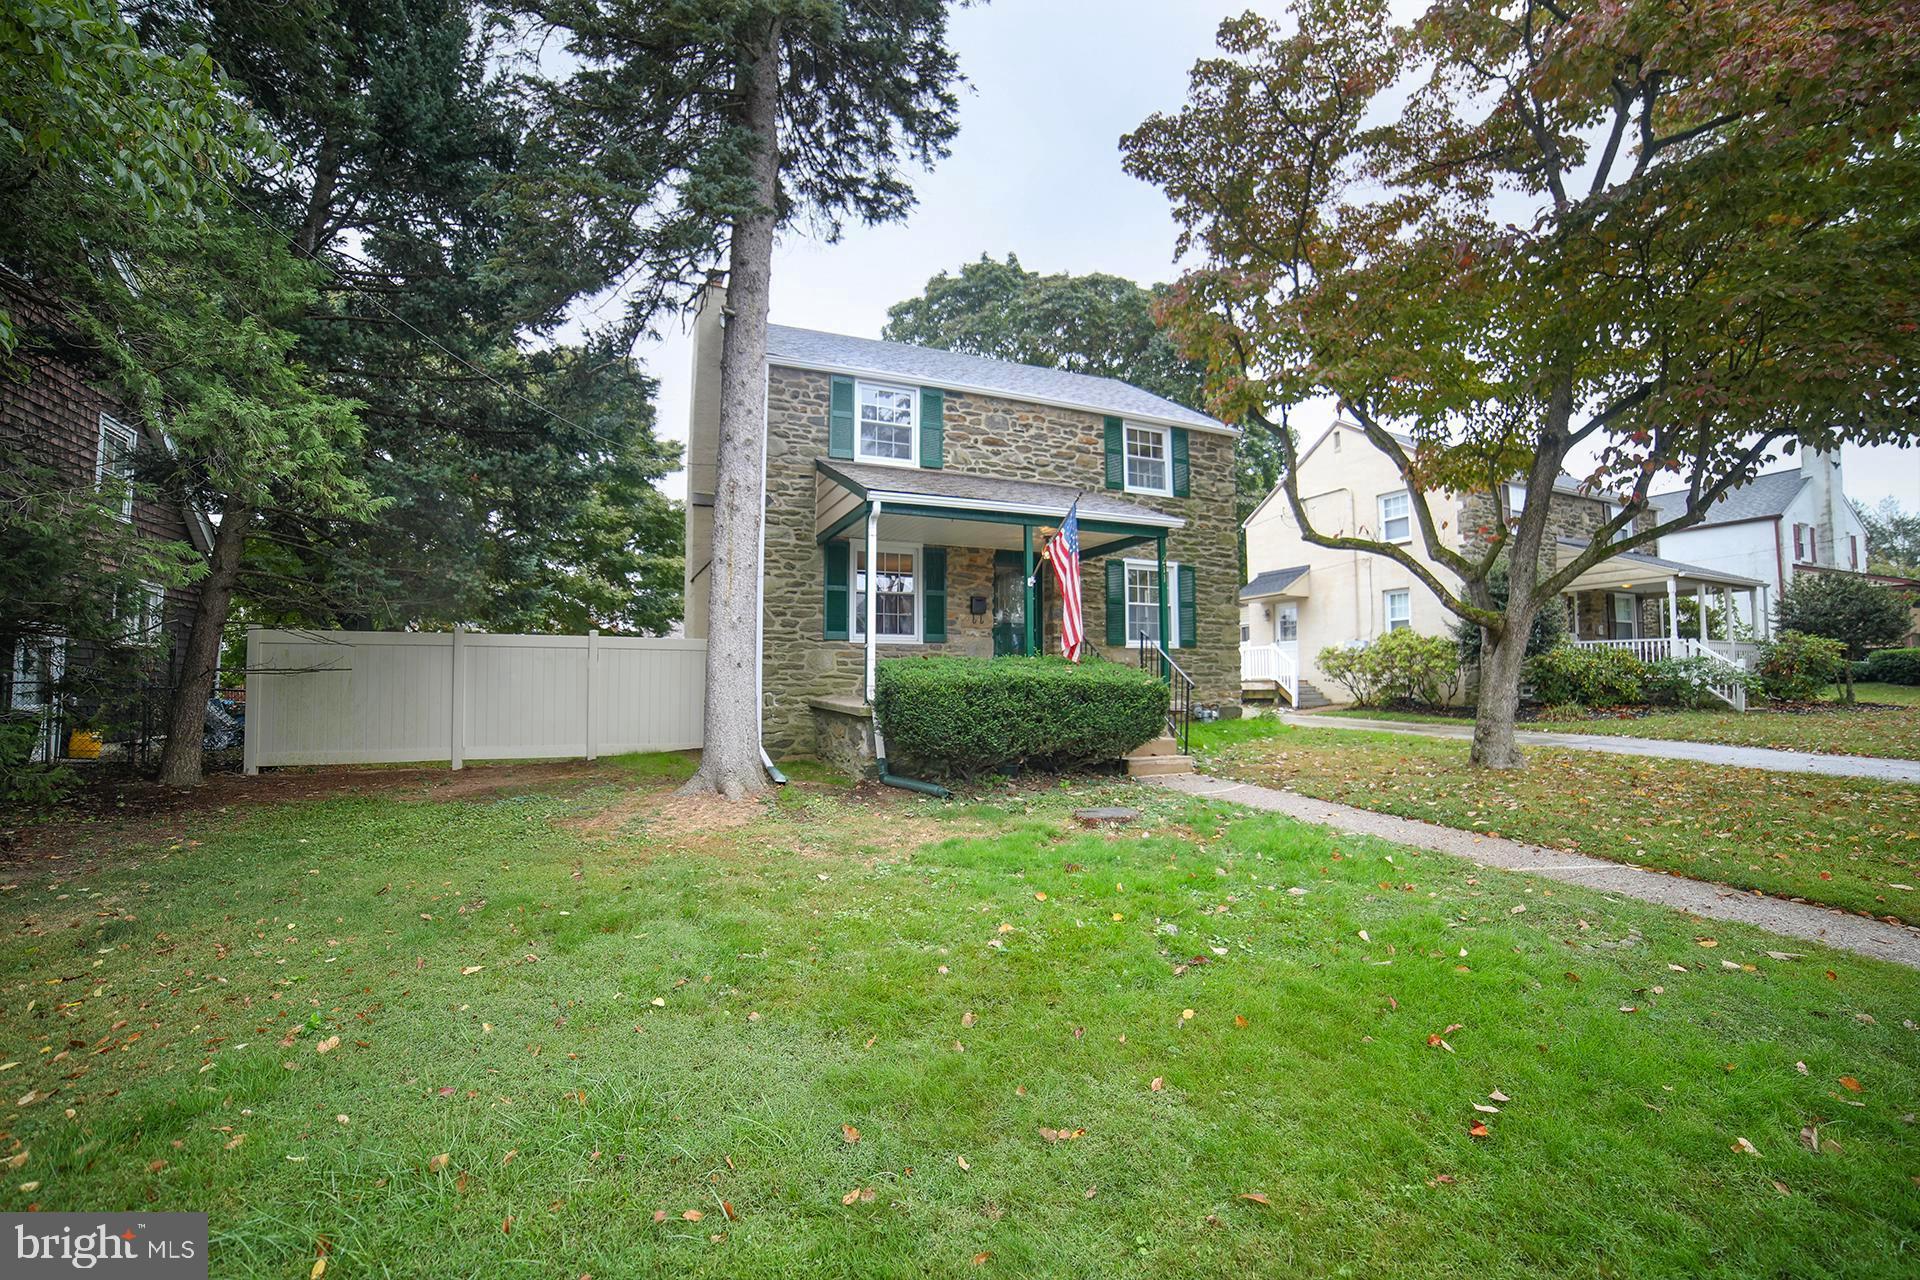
(1063,552)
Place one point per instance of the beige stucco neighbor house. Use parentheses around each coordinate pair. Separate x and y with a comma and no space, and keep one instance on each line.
(1301,598)
(948,473)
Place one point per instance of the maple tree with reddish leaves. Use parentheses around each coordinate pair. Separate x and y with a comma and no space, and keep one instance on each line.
(1664,243)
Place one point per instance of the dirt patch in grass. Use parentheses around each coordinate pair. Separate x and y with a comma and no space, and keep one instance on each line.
(663,812)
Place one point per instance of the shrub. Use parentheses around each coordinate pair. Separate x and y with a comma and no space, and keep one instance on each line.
(1795,667)
(1400,666)
(1688,682)
(1590,677)
(23,783)
(1891,666)
(965,716)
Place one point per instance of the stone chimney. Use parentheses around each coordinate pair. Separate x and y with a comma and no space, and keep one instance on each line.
(1821,468)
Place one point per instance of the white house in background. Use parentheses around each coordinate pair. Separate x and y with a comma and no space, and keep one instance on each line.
(1774,526)
(1301,598)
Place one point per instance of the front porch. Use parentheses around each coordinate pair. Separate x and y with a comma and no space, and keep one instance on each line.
(1632,600)
(957,567)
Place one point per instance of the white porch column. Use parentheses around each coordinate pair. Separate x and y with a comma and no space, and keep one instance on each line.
(873,588)
(1701,596)
(1763,624)
(1673,611)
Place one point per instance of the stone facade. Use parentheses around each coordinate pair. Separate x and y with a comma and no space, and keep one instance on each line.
(984,436)
(1569,515)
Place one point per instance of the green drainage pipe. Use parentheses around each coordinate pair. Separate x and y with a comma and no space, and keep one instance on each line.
(911,784)
(779,778)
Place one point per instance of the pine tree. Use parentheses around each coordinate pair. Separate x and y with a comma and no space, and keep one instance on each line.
(702,127)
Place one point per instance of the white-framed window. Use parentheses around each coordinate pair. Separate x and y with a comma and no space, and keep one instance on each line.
(1286,623)
(1625,617)
(141,612)
(1398,609)
(1143,602)
(896,594)
(1148,454)
(887,422)
(1516,500)
(113,461)
(1246,633)
(1396,517)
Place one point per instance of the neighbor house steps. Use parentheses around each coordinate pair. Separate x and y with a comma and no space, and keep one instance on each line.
(1158,758)
(1311,699)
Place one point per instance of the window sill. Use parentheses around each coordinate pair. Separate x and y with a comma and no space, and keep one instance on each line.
(910,464)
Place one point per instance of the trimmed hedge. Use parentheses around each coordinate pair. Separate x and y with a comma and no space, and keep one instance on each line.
(1892,666)
(1590,677)
(965,716)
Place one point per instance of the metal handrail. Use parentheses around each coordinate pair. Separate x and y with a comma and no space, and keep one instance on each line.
(1180,703)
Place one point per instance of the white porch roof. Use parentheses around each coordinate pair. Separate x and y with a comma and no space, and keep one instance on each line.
(1648,574)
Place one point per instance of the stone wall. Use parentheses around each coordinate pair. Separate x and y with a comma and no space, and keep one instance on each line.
(988,436)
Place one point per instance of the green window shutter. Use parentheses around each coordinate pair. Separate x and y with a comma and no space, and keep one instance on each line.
(1117,602)
(1187,625)
(1116,460)
(840,420)
(933,427)
(838,575)
(1182,471)
(933,600)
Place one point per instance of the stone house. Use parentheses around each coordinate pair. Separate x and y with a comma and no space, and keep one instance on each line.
(62,429)
(950,472)
(1301,598)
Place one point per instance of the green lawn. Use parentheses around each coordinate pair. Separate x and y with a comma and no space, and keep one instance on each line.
(570,1018)
(1868,730)
(1838,841)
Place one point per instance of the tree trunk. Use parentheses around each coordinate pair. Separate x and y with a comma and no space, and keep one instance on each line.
(1848,669)
(730,759)
(1501,658)
(187,717)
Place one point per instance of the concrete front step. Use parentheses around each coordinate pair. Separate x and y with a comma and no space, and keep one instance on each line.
(1311,697)
(1164,745)
(1139,766)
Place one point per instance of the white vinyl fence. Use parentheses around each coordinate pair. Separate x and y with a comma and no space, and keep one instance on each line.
(381,697)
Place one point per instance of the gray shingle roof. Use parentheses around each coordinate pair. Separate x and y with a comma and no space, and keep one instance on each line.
(1678,566)
(1757,499)
(1028,495)
(811,348)
(1272,582)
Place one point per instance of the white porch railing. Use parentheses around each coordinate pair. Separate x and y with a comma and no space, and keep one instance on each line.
(1732,691)
(1260,663)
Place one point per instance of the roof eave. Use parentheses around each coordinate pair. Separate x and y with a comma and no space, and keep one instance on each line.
(947,384)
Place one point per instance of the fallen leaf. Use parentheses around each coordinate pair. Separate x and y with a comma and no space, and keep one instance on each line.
(1478,1129)
(1090,1193)
(659,1215)
(471,969)
(236,1140)
(862,1194)
(1481,1106)
(1158,1084)
(849,1134)
(1801,1067)
(692,1215)
(508,1158)
(439,1162)
(1849,1084)
(1498,1096)
(319,1269)
(1708,942)
(328,1045)
(1781,1187)
(980,1259)
(726,1207)
(1257,1197)
(1186,1015)
(966,1019)
(962,1162)
(1239,1020)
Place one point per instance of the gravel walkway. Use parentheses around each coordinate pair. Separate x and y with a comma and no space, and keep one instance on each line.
(1874,938)
(1871,767)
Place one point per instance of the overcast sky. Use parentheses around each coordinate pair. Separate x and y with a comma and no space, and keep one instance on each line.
(1036,172)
